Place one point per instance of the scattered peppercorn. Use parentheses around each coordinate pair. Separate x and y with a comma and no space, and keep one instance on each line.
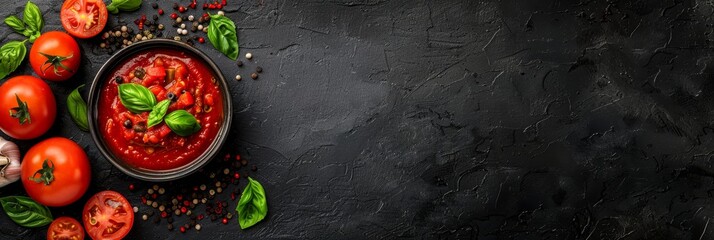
(225,221)
(174,16)
(161,11)
(248,56)
(170,227)
(259,69)
(240,63)
(254,76)
(182,229)
(254,168)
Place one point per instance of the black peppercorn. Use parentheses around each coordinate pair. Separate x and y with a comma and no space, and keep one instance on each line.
(119,79)
(155,17)
(259,69)
(175,6)
(171,227)
(240,63)
(254,168)
(154,5)
(170,220)
(127,123)
(254,76)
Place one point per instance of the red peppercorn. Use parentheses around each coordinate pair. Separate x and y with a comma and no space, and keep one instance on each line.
(233,196)
(183,210)
(186,203)
(206,16)
(179,197)
(161,11)
(143,17)
(227,156)
(131,187)
(200,217)
(237,157)
(174,15)
(192,5)
(201,40)
(236,175)
(164,214)
(182,229)
(225,221)
(182,9)
(219,6)
(143,200)
(154,196)
(205,6)
(223,2)
(195,188)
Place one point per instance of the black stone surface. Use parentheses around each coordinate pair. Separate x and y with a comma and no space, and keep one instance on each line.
(452,119)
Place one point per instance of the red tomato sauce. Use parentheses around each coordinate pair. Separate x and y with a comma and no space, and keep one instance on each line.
(184,79)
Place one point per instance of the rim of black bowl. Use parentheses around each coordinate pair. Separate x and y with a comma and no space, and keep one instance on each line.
(146,174)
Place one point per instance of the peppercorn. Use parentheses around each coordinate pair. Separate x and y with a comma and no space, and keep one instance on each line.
(170,220)
(248,56)
(174,16)
(170,227)
(155,17)
(244,162)
(201,40)
(259,69)
(240,63)
(254,168)
(182,9)
(161,12)
(164,214)
(254,76)
(175,6)
(225,221)
(127,124)
(182,229)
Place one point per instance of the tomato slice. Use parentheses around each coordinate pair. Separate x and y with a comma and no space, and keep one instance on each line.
(84,18)
(107,215)
(65,228)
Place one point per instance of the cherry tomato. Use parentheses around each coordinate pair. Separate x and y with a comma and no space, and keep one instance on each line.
(83,18)
(65,228)
(55,172)
(55,56)
(107,215)
(27,107)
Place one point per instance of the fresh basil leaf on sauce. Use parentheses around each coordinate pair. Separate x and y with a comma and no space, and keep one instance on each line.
(157,114)
(223,36)
(253,206)
(136,98)
(182,123)
(26,212)
(77,108)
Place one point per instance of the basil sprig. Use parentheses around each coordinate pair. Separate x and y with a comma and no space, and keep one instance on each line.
(26,212)
(77,108)
(136,98)
(182,123)
(223,37)
(11,55)
(253,206)
(157,113)
(31,24)
(123,5)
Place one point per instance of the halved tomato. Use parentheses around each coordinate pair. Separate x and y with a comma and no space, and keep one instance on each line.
(107,215)
(84,18)
(65,228)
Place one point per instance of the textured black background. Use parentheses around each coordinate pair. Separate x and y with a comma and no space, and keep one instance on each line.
(455,119)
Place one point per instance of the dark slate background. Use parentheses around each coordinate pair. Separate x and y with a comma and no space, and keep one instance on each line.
(454,119)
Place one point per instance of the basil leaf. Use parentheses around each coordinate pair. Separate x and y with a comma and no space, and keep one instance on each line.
(33,19)
(15,23)
(11,55)
(253,206)
(182,123)
(223,36)
(136,98)
(157,114)
(26,212)
(77,108)
(123,5)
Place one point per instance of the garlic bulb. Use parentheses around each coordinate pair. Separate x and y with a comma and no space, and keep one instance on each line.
(9,162)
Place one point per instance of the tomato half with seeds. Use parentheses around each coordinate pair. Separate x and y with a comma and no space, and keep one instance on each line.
(55,56)
(55,172)
(83,18)
(65,228)
(107,215)
(27,107)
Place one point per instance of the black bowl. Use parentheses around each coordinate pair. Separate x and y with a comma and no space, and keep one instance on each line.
(147,174)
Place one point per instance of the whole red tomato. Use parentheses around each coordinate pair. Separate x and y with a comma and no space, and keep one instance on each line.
(83,18)
(55,172)
(65,228)
(55,56)
(27,107)
(107,215)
